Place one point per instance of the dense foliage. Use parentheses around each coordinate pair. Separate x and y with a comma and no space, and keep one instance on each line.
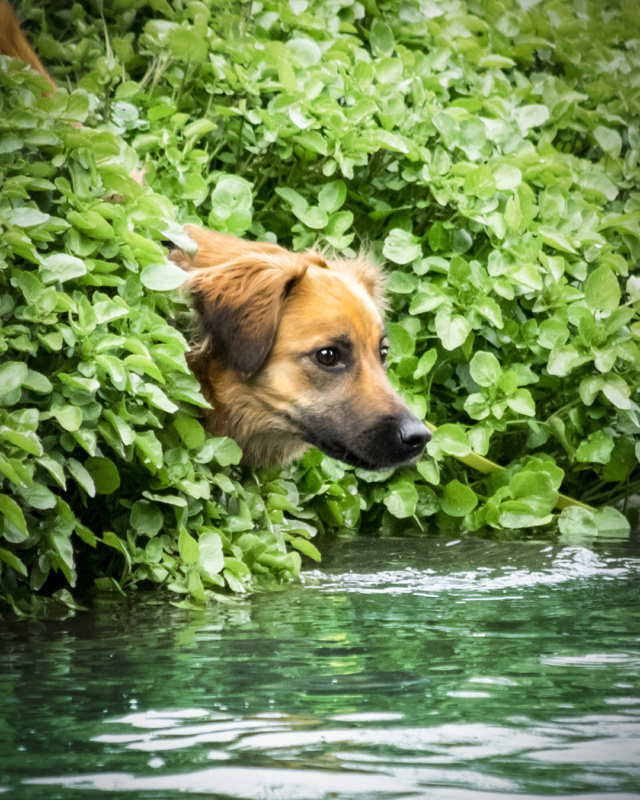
(487,151)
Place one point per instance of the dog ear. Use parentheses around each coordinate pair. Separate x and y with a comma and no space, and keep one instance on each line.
(215,249)
(239,290)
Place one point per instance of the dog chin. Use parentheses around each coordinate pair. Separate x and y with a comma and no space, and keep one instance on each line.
(342,453)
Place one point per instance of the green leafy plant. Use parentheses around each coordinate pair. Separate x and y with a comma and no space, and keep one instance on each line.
(488,153)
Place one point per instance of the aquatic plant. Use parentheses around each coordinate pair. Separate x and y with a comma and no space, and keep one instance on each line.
(488,152)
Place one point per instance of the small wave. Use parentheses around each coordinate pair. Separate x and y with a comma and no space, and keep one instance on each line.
(570,564)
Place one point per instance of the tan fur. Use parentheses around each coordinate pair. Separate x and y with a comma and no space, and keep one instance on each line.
(264,310)
(13,42)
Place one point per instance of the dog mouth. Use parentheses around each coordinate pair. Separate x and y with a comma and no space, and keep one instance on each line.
(341,452)
(338,451)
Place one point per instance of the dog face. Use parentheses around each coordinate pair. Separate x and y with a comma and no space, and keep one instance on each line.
(294,354)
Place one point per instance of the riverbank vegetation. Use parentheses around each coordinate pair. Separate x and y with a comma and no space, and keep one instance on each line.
(486,151)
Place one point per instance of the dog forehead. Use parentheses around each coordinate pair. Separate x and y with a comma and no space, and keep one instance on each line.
(329,302)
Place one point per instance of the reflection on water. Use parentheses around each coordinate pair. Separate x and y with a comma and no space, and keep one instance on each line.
(400,669)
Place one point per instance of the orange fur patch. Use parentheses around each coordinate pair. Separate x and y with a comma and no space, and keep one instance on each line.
(265,311)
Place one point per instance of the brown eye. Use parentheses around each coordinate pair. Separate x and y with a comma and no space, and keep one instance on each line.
(328,356)
(384,351)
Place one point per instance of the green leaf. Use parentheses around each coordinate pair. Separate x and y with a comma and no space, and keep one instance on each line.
(162,277)
(535,493)
(577,522)
(191,432)
(187,45)
(188,547)
(146,518)
(609,140)
(92,224)
(452,330)
(596,448)
(426,363)
(144,365)
(225,451)
(55,469)
(305,51)
(611,523)
(401,283)
(12,512)
(82,477)
(401,247)
(104,473)
(25,440)
(37,382)
(149,450)
(231,204)
(522,402)
(616,390)
(312,217)
(61,267)
(12,375)
(555,239)
(485,368)
(332,196)
(452,440)
(26,217)
(457,499)
(480,182)
(402,499)
(602,290)
(402,343)
(531,116)
(211,555)
(69,417)
(381,38)
(594,182)
(306,547)
(110,539)
(13,561)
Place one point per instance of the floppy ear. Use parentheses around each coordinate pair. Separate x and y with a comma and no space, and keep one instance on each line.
(216,248)
(239,290)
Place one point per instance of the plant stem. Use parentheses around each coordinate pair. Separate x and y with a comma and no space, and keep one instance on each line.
(485,466)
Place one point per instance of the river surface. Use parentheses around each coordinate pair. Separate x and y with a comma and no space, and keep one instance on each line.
(426,668)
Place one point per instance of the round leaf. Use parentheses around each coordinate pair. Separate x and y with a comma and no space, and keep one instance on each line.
(146,518)
(485,368)
(452,440)
(12,376)
(162,277)
(104,473)
(458,500)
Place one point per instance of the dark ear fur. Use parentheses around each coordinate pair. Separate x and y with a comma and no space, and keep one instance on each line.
(239,290)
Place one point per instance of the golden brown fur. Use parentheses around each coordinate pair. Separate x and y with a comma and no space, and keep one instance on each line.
(13,42)
(266,315)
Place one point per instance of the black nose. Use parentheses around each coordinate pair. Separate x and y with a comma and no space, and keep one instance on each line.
(413,434)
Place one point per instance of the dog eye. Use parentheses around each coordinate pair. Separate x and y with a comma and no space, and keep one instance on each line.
(384,350)
(328,356)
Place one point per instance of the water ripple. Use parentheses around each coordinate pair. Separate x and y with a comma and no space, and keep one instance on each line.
(570,564)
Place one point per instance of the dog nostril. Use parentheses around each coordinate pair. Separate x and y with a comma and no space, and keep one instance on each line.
(413,434)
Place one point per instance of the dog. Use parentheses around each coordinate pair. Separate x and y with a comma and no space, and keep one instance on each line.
(292,354)
(293,347)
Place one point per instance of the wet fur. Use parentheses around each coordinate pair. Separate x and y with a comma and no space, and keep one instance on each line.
(265,312)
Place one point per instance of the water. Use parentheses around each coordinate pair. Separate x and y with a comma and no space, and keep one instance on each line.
(400,669)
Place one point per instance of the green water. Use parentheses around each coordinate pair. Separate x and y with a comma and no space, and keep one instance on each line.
(399,669)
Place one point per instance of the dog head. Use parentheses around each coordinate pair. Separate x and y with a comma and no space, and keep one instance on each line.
(294,351)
